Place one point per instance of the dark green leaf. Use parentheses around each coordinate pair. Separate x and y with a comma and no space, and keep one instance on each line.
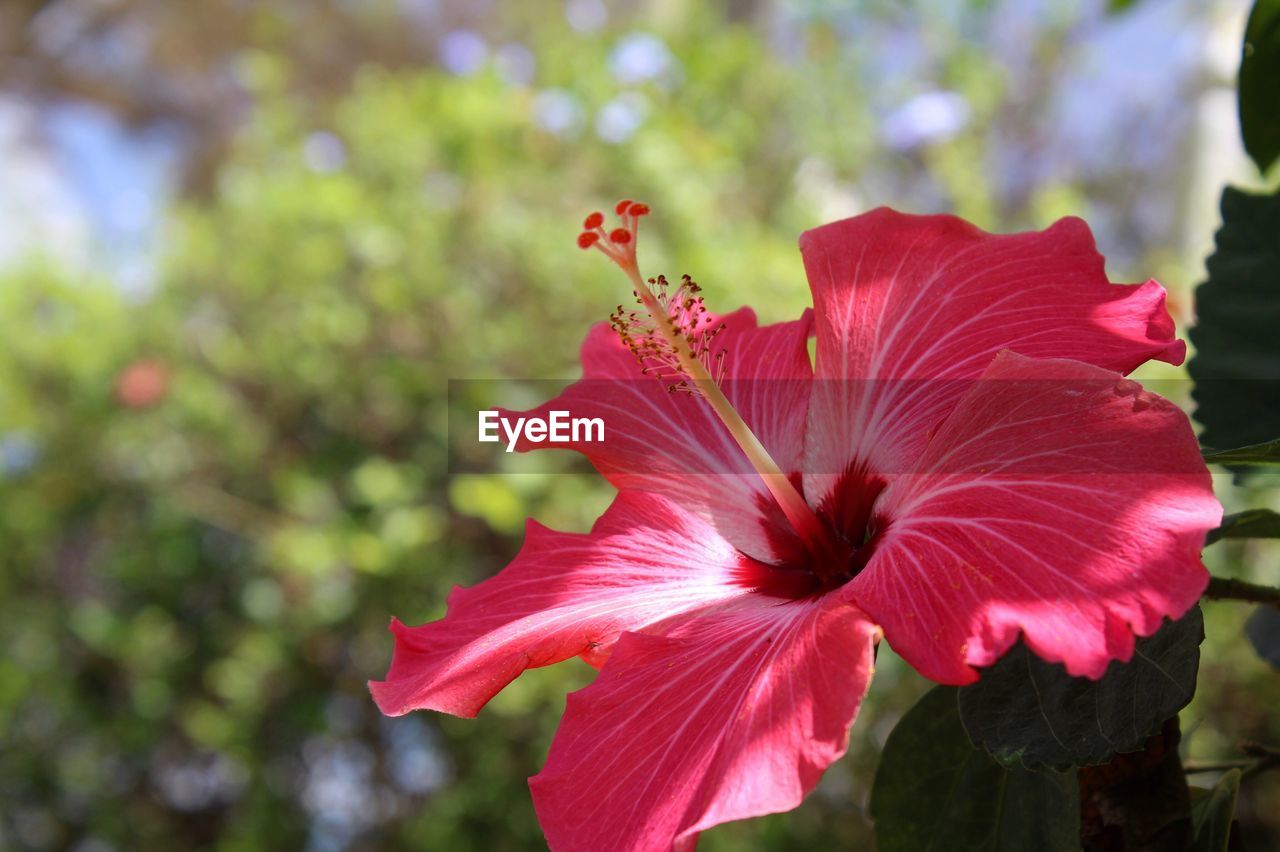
(1026,710)
(935,791)
(1263,632)
(1259,79)
(1251,523)
(1212,812)
(1237,362)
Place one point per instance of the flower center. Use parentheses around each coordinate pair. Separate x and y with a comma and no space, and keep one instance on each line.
(674,333)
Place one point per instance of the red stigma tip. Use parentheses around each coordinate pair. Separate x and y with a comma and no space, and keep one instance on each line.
(620,235)
(587,239)
(638,209)
(595,220)
(622,207)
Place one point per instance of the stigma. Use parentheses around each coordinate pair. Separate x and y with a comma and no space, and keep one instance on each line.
(617,244)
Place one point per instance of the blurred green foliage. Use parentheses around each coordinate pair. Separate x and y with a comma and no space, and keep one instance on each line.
(194,589)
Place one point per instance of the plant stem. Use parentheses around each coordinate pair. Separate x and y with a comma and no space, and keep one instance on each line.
(1226,589)
(1266,758)
(1192,767)
(1261,758)
(227,512)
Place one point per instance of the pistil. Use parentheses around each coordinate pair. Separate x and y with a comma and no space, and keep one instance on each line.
(619,245)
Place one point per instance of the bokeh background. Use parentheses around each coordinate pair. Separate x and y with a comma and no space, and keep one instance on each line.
(245,246)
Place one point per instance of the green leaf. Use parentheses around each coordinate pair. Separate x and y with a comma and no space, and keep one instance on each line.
(1251,523)
(1237,359)
(1212,812)
(1263,632)
(935,791)
(1259,78)
(1026,710)
(1266,454)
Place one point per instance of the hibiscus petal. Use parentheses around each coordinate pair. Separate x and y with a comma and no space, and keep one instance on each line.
(736,713)
(1058,499)
(911,308)
(565,594)
(673,444)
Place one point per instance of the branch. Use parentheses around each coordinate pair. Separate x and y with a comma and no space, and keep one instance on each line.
(1261,759)
(227,512)
(1193,766)
(1225,589)
(1265,757)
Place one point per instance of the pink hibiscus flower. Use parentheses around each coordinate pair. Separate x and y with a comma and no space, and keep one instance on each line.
(963,464)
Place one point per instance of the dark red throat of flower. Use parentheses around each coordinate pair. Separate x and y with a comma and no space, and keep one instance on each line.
(671,337)
(855,530)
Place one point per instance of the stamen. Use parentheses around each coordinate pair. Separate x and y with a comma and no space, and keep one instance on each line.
(686,314)
(672,340)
